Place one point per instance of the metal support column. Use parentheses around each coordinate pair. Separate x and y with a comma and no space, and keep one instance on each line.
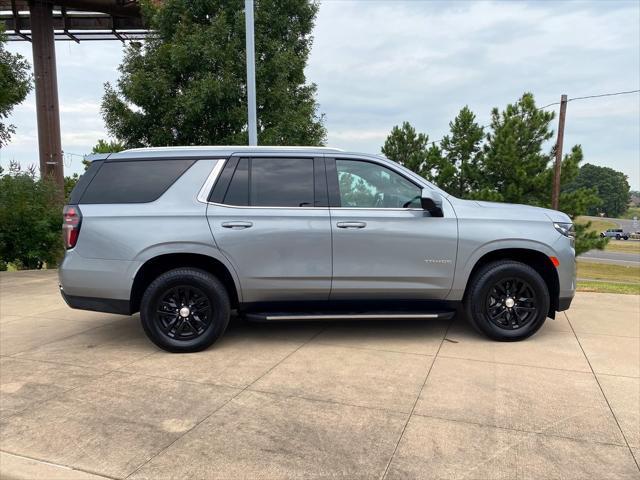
(251,73)
(46,83)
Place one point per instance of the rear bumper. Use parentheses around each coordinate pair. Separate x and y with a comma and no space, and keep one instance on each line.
(107,305)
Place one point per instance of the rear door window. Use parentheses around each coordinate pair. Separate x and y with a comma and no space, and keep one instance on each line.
(272,182)
(134,181)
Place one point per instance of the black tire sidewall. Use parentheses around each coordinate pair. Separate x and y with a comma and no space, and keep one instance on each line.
(488,277)
(204,281)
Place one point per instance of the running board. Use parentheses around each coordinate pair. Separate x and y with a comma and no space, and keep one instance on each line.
(286,316)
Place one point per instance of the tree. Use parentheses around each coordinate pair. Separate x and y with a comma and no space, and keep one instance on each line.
(514,165)
(186,85)
(459,173)
(15,84)
(104,146)
(611,187)
(411,149)
(510,166)
(30,219)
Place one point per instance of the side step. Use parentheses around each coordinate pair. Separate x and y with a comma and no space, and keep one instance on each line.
(313,316)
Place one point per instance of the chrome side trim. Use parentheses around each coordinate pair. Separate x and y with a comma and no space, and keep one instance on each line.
(352,316)
(203,194)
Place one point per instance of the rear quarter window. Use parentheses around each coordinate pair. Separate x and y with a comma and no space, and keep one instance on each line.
(133,181)
(84,181)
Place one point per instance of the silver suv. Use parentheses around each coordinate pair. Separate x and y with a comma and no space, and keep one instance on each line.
(185,235)
(616,233)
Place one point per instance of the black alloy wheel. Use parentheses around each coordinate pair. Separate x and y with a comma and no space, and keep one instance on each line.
(185,310)
(511,304)
(507,300)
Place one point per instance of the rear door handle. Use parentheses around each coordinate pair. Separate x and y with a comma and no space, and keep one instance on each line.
(237,225)
(351,224)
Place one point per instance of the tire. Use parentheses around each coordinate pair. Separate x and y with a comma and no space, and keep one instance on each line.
(617,237)
(602,235)
(626,238)
(482,299)
(190,330)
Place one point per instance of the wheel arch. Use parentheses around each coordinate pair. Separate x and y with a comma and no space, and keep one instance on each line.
(162,263)
(536,259)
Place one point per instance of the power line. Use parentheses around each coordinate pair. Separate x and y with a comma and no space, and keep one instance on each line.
(626,92)
(604,95)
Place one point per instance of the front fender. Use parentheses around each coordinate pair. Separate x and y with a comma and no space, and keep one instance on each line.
(467,261)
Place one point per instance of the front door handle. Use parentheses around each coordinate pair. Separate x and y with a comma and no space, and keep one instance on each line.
(351,224)
(237,225)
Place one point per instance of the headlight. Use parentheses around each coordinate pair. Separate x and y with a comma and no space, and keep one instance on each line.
(566,229)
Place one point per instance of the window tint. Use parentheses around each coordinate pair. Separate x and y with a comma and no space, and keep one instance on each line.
(238,191)
(134,181)
(84,181)
(368,185)
(282,182)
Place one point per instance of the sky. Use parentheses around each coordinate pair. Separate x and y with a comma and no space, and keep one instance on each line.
(379,63)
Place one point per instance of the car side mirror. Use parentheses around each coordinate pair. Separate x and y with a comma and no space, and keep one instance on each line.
(431,201)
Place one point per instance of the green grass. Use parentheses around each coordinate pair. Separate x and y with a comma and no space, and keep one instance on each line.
(604,287)
(590,271)
(624,246)
(606,271)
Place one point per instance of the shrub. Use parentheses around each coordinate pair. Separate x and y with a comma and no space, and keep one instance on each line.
(30,220)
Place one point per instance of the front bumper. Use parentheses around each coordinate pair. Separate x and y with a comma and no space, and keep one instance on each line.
(564,303)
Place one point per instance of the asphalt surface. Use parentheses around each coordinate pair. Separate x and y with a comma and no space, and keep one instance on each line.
(87,395)
(615,258)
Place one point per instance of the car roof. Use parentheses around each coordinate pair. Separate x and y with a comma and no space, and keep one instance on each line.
(158,153)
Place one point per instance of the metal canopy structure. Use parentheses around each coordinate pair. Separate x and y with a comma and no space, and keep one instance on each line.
(42,22)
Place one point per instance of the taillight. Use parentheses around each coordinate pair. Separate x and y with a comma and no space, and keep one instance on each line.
(71,221)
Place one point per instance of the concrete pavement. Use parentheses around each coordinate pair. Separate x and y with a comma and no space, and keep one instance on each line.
(86,395)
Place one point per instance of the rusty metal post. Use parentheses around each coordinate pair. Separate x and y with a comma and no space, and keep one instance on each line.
(555,194)
(46,83)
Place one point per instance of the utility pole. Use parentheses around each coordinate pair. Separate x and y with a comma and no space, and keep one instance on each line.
(251,73)
(44,67)
(555,195)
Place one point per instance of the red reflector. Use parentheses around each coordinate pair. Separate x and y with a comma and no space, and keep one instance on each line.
(555,261)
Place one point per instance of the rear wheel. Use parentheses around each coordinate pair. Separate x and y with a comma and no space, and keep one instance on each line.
(507,301)
(185,310)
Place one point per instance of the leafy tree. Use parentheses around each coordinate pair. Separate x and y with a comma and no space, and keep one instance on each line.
(15,84)
(459,174)
(611,187)
(30,234)
(411,149)
(187,84)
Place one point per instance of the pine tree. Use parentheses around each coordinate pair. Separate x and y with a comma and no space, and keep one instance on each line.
(514,165)
(459,172)
(411,149)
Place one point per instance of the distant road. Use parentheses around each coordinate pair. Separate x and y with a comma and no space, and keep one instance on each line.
(616,258)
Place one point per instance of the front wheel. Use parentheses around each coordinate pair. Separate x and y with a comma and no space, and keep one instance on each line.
(185,310)
(507,301)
